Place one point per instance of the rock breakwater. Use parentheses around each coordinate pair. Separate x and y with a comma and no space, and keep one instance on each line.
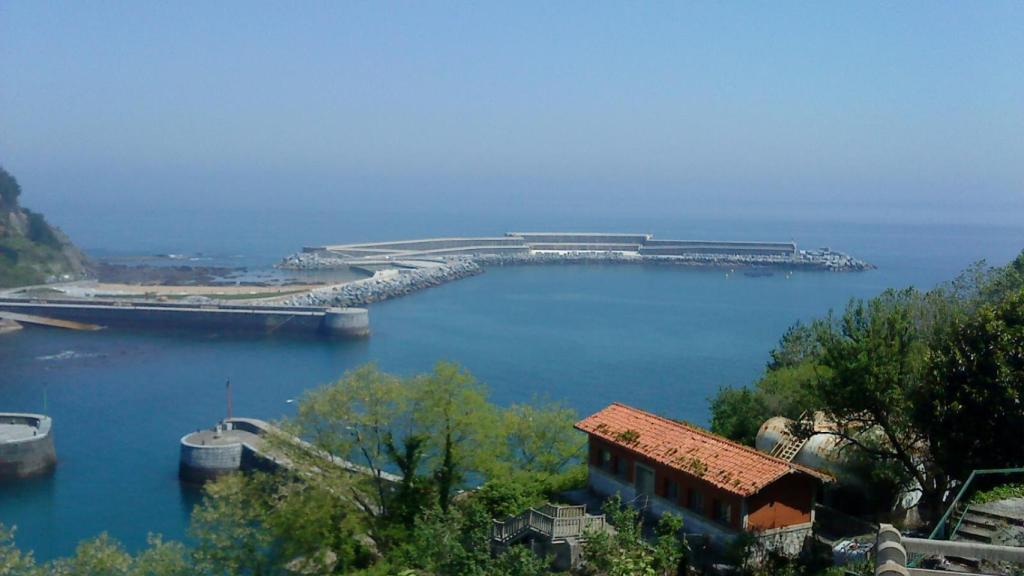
(413,265)
(319,260)
(387,284)
(831,261)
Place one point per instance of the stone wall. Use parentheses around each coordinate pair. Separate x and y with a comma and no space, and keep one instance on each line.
(201,463)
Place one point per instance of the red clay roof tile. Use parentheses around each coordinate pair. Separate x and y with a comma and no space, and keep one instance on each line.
(721,462)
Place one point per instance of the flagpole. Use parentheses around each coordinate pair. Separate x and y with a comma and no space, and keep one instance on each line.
(229,399)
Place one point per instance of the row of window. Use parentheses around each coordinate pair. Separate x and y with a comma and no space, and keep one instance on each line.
(721,511)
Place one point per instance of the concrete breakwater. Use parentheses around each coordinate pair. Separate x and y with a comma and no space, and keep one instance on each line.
(231,318)
(406,266)
(569,247)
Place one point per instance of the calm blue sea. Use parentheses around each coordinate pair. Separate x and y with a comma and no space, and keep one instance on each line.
(659,338)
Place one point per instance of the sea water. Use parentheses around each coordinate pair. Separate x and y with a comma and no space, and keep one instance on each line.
(657,337)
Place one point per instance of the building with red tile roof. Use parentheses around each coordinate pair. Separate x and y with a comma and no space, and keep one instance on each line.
(720,487)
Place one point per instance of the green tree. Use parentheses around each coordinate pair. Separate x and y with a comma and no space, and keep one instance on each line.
(9,189)
(1003,282)
(355,418)
(540,444)
(100,556)
(875,355)
(973,408)
(798,345)
(450,408)
(162,558)
(414,492)
(737,413)
(39,230)
(229,527)
(627,553)
(315,529)
(12,561)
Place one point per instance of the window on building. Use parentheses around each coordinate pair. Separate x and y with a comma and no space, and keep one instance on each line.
(695,501)
(604,459)
(723,512)
(671,490)
(643,480)
(622,467)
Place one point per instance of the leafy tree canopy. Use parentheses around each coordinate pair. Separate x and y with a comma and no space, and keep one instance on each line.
(9,189)
(900,375)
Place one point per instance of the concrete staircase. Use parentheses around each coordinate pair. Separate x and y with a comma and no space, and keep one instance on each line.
(992,523)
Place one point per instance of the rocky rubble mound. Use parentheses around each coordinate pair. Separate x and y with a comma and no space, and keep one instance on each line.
(387,284)
(312,261)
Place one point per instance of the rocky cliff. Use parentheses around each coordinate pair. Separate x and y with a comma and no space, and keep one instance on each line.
(31,250)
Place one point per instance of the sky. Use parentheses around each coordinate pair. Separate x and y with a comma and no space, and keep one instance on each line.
(629,108)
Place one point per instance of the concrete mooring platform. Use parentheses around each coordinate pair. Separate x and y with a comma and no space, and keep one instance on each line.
(26,445)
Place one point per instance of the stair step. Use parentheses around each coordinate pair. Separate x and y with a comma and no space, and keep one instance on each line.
(968,532)
(979,521)
(997,515)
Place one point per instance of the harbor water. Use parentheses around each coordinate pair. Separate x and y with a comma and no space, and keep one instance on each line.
(660,338)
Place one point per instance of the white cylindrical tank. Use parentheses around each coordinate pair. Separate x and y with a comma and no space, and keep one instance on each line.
(821,451)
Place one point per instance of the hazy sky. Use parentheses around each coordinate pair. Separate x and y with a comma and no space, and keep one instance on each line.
(613,106)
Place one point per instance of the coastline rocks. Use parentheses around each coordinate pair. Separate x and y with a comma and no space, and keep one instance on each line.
(387,284)
(813,260)
(319,260)
(8,326)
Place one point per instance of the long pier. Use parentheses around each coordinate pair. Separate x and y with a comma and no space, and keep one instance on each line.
(341,322)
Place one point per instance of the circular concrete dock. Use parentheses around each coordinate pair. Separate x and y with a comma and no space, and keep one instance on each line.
(26,445)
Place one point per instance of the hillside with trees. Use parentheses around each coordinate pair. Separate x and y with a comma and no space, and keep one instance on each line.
(921,387)
(31,250)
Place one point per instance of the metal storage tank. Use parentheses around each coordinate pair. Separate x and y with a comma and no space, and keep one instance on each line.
(821,451)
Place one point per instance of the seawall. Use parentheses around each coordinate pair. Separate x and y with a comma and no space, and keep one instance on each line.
(227,318)
(569,247)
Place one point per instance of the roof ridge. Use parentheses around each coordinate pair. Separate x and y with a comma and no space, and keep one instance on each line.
(708,433)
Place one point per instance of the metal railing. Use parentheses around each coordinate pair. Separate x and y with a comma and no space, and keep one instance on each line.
(941,526)
(939,532)
(552,522)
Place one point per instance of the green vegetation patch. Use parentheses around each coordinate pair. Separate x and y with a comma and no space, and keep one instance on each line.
(23,262)
(920,388)
(1003,492)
